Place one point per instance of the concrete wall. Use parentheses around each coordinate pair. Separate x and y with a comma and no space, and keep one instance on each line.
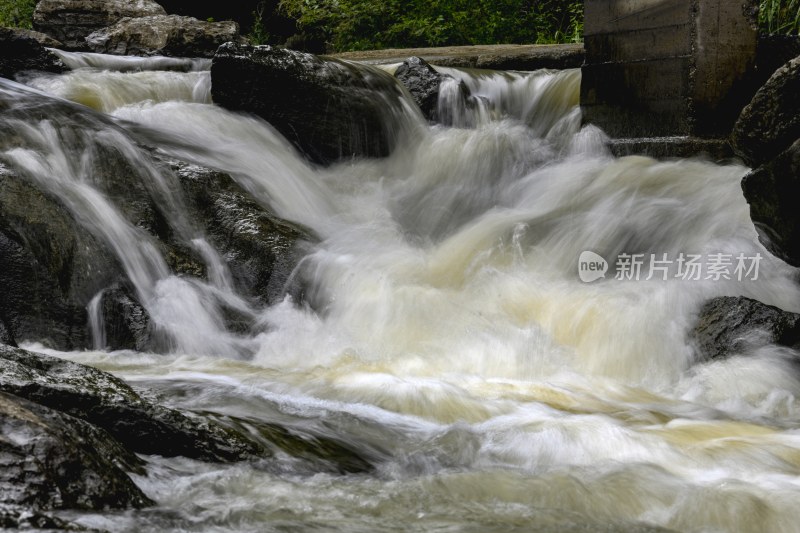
(666,67)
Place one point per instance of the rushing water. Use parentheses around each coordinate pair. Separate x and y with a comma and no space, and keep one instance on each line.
(449,340)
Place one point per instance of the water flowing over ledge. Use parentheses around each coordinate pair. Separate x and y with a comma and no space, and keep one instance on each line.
(442,330)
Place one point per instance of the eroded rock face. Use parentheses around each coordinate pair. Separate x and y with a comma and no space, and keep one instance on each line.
(730,325)
(50,460)
(20,51)
(329,109)
(169,35)
(771,121)
(70,21)
(773,190)
(108,403)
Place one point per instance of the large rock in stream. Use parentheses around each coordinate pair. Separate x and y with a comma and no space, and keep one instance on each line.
(730,325)
(21,51)
(52,265)
(767,137)
(329,109)
(109,403)
(71,21)
(168,35)
(770,123)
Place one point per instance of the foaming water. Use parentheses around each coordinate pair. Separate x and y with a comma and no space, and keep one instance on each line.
(446,335)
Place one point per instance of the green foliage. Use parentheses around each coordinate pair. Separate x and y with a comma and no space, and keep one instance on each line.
(372,24)
(779,17)
(258,34)
(17,13)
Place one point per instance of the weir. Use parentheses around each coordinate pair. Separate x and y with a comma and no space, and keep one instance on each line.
(659,68)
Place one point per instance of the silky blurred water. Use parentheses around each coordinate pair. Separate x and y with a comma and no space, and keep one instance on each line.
(447,337)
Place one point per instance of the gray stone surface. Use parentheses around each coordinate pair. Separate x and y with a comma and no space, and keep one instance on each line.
(771,121)
(70,21)
(168,35)
(773,190)
(329,109)
(20,50)
(733,325)
(422,81)
(108,403)
(493,57)
(50,460)
(668,67)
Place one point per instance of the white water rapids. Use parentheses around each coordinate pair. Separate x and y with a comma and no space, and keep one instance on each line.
(450,340)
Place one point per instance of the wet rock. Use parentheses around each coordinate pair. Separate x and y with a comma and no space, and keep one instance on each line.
(260,249)
(329,109)
(772,191)
(70,21)
(422,81)
(770,123)
(21,518)
(5,334)
(108,403)
(50,267)
(729,325)
(126,323)
(20,51)
(169,35)
(50,460)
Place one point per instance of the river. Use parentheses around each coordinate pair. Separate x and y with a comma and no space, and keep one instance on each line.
(446,335)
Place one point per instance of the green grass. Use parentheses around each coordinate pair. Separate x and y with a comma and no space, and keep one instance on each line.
(779,17)
(17,13)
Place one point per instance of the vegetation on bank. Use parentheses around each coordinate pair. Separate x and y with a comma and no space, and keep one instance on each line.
(17,13)
(779,17)
(341,25)
(373,24)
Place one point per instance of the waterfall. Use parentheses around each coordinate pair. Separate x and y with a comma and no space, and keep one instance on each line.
(443,330)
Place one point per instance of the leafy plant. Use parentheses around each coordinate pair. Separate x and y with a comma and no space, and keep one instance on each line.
(17,13)
(365,24)
(781,17)
(258,34)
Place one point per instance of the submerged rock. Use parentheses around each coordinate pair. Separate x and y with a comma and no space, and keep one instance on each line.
(729,325)
(772,190)
(422,81)
(50,460)
(771,121)
(108,403)
(329,109)
(70,21)
(20,51)
(169,35)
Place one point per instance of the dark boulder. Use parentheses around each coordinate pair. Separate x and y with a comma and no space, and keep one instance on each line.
(124,321)
(50,460)
(5,334)
(168,35)
(70,21)
(770,123)
(773,190)
(20,51)
(50,267)
(327,108)
(108,403)
(729,325)
(422,81)
(260,249)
